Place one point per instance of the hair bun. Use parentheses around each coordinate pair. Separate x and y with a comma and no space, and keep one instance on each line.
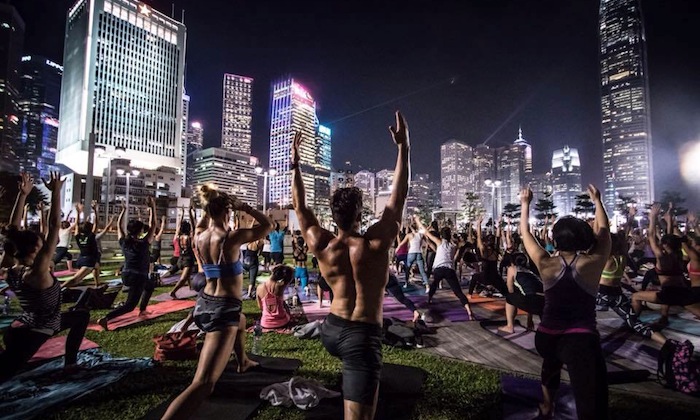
(208,192)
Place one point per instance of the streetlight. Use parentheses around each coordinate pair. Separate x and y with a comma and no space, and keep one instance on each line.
(103,153)
(263,173)
(493,184)
(128,175)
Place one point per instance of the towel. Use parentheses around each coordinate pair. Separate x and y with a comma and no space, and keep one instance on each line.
(302,392)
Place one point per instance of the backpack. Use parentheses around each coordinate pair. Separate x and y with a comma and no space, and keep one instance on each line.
(676,368)
(176,346)
(398,335)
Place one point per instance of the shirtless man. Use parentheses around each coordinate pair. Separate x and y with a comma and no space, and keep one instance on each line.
(356,267)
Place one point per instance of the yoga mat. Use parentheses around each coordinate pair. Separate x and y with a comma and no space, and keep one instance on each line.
(5,321)
(676,323)
(184,293)
(214,408)
(521,396)
(56,347)
(37,392)
(166,281)
(156,310)
(64,273)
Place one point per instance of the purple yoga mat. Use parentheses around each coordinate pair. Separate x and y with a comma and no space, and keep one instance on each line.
(183,293)
(521,397)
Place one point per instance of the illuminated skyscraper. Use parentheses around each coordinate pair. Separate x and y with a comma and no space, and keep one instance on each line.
(627,157)
(183,145)
(38,104)
(367,182)
(195,141)
(237,113)
(456,174)
(514,166)
(231,172)
(566,179)
(11,44)
(123,81)
(293,109)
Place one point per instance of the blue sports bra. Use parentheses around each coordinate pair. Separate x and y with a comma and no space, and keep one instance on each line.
(222,269)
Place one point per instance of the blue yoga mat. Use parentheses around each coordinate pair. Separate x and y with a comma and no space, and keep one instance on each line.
(521,397)
(676,323)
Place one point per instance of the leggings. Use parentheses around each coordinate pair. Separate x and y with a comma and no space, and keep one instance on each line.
(429,260)
(450,276)
(140,287)
(22,343)
(253,271)
(394,289)
(583,357)
(650,277)
(613,298)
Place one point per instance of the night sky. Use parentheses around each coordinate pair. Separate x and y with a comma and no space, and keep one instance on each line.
(469,70)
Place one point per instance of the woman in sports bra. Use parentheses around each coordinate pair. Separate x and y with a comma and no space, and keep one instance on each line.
(186,262)
(270,298)
(218,308)
(567,334)
(669,267)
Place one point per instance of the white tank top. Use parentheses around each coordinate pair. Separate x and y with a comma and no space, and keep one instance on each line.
(414,244)
(445,255)
(64,237)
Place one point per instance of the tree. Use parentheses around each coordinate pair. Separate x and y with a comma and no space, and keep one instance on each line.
(423,211)
(624,206)
(675,197)
(9,182)
(511,211)
(584,206)
(472,207)
(545,207)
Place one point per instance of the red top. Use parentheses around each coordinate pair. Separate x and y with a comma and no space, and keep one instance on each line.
(274,314)
(176,245)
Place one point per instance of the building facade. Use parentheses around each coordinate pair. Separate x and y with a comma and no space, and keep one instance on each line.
(484,169)
(626,131)
(183,143)
(366,181)
(342,179)
(423,193)
(11,45)
(39,107)
(456,174)
(195,142)
(123,81)
(513,168)
(237,113)
(566,179)
(233,173)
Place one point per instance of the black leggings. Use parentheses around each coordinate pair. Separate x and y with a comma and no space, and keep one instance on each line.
(22,343)
(450,276)
(140,287)
(253,271)
(612,297)
(394,289)
(583,357)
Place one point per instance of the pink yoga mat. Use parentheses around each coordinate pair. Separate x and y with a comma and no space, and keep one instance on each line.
(64,273)
(183,293)
(155,311)
(56,347)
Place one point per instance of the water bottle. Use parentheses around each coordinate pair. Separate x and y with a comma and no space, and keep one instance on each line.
(257,335)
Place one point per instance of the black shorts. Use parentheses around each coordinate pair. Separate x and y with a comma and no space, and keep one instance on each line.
(532,304)
(401,258)
(154,255)
(87,261)
(277,257)
(213,313)
(61,253)
(185,261)
(266,257)
(359,347)
(675,296)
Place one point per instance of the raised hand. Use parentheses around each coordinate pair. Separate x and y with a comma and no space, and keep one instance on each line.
(480,220)
(25,184)
(400,133)
(525,196)
(54,183)
(79,207)
(632,211)
(594,193)
(690,218)
(655,210)
(295,148)
(150,201)
(93,204)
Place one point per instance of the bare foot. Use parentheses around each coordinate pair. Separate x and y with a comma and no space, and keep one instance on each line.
(469,312)
(545,411)
(507,329)
(247,364)
(144,313)
(173,295)
(530,326)
(102,322)
(416,316)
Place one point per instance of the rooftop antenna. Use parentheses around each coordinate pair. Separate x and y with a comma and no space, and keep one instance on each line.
(183,17)
(172,11)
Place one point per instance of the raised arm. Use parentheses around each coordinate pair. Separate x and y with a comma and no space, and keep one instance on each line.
(308,223)
(388,225)
(93,206)
(181,216)
(162,228)
(110,221)
(653,239)
(668,217)
(45,255)
(532,247)
(264,226)
(43,225)
(602,226)
(429,234)
(76,226)
(25,184)
(152,219)
(120,222)
(479,242)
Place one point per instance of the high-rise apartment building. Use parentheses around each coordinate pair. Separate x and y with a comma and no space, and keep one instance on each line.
(11,45)
(195,142)
(456,174)
(123,81)
(342,179)
(293,109)
(366,181)
(566,179)
(423,192)
(484,169)
(231,172)
(237,113)
(39,100)
(627,147)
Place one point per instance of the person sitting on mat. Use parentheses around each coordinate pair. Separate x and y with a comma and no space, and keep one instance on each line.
(270,298)
(27,258)
(218,308)
(322,287)
(356,267)
(567,333)
(136,260)
(525,292)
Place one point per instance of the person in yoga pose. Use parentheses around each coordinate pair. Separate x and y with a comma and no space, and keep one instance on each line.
(251,263)
(186,262)
(414,238)
(444,267)
(356,267)
(300,252)
(321,287)
(277,242)
(27,257)
(401,253)
(669,268)
(136,260)
(181,222)
(65,235)
(156,246)
(270,298)
(218,308)
(266,253)
(89,259)
(488,252)
(567,332)
(395,290)
(525,292)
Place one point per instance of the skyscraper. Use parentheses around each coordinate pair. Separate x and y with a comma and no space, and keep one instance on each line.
(231,172)
(342,179)
(514,166)
(456,174)
(123,81)
(11,44)
(183,143)
(39,105)
(627,148)
(367,182)
(195,141)
(237,113)
(484,169)
(566,179)
(293,109)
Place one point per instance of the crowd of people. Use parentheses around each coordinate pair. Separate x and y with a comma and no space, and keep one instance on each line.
(561,273)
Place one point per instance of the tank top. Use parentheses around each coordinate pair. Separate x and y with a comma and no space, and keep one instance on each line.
(414,243)
(273,314)
(176,247)
(87,242)
(402,250)
(527,282)
(617,272)
(64,237)
(444,255)
(41,308)
(186,247)
(568,307)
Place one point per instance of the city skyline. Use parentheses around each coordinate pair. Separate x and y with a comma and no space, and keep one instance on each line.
(546,74)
